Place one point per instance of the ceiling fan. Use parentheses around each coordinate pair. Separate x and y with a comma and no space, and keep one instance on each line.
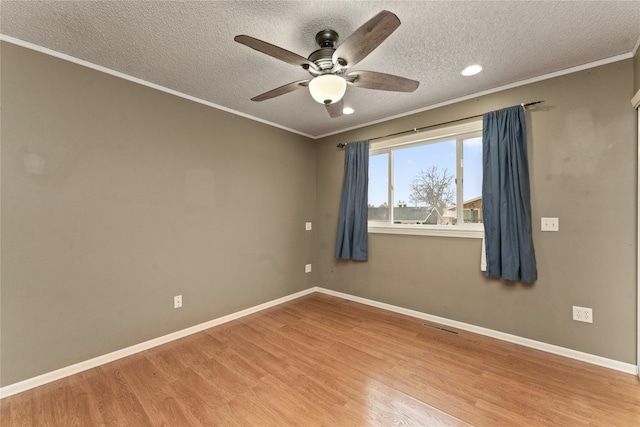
(328,65)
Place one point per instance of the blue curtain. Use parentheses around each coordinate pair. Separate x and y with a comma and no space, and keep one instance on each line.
(506,201)
(352,241)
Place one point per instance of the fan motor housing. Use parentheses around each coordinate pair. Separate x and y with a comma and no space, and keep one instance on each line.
(322,58)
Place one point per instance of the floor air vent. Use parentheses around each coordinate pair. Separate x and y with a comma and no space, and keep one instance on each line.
(440,329)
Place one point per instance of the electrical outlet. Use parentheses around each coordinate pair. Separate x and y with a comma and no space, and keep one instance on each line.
(307,268)
(583,314)
(307,226)
(177,301)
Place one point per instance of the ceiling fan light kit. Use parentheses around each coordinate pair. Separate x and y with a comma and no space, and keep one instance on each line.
(328,65)
(327,88)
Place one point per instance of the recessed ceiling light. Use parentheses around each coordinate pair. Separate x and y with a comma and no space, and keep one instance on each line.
(347,110)
(471,70)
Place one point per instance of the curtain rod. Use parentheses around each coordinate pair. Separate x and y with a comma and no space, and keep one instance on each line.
(344,144)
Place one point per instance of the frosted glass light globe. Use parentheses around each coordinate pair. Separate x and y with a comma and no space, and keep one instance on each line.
(327,88)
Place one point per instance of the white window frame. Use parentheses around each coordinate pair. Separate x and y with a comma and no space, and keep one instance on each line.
(387,145)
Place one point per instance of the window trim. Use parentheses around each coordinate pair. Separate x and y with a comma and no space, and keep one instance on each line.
(387,145)
(425,136)
(427,230)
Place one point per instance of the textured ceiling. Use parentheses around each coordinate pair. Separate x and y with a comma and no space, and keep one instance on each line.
(188,47)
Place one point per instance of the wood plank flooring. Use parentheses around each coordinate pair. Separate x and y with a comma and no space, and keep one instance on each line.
(325,361)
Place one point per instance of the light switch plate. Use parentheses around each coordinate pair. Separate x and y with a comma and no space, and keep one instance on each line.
(550,224)
(307,226)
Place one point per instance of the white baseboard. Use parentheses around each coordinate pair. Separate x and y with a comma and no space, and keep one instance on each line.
(30,383)
(538,345)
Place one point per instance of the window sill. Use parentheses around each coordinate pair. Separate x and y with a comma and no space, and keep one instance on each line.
(466,232)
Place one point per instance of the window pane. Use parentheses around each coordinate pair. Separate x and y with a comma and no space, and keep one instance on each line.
(428,183)
(424,183)
(472,178)
(379,187)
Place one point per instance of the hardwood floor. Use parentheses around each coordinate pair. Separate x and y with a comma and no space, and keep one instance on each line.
(324,361)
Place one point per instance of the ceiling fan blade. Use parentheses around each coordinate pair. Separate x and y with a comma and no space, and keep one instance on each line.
(335,109)
(275,51)
(381,81)
(290,87)
(365,39)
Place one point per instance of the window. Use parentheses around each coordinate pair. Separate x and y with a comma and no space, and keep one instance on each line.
(428,183)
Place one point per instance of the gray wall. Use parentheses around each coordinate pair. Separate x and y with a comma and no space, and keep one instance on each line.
(583,162)
(116,197)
